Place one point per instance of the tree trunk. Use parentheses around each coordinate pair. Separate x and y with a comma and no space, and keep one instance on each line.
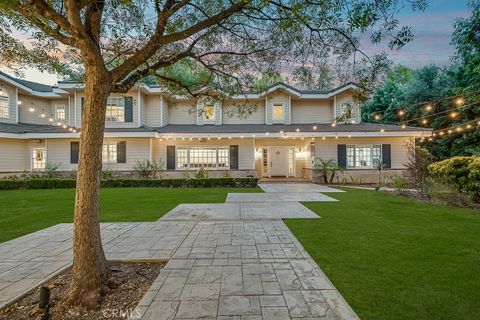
(90,272)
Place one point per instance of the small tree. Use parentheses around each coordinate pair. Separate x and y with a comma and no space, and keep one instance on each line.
(113,45)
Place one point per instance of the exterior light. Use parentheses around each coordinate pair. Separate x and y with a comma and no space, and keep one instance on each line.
(267,133)
(19,102)
(42,115)
(74,131)
(424,121)
(298,130)
(349,135)
(336,136)
(281,132)
(428,107)
(314,127)
(458,129)
(241,137)
(190,139)
(64,126)
(434,134)
(334,124)
(459,101)
(441,133)
(453,114)
(219,138)
(376,117)
(449,131)
(430,139)
(229,137)
(403,126)
(469,126)
(382,130)
(31,109)
(253,135)
(401,113)
(352,122)
(323,138)
(70,129)
(50,119)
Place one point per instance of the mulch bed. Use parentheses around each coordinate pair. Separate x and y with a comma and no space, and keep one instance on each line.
(133,281)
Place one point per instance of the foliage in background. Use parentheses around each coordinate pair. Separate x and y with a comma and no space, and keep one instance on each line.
(461,173)
(404,88)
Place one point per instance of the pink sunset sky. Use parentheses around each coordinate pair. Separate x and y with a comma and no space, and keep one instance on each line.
(432,28)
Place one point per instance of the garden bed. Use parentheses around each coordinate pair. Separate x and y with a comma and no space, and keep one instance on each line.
(133,279)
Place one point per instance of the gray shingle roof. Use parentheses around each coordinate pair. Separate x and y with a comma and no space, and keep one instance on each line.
(37,128)
(29,84)
(246,128)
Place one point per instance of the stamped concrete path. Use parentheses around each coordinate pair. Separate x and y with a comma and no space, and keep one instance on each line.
(228,261)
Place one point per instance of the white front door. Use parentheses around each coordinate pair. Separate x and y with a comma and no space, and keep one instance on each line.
(279,161)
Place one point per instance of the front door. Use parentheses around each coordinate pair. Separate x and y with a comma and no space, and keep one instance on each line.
(38,159)
(279,161)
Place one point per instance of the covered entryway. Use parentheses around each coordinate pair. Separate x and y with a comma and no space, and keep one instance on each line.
(278,161)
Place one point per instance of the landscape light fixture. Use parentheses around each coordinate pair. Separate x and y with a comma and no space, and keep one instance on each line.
(44,302)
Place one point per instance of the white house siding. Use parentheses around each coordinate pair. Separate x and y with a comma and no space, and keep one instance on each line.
(40,105)
(13,155)
(165,111)
(12,102)
(58,152)
(278,97)
(182,112)
(346,97)
(232,116)
(302,158)
(141,108)
(153,111)
(111,124)
(308,111)
(246,151)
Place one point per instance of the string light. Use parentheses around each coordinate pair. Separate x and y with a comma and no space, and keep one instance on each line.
(401,113)
(19,102)
(323,138)
(314,127)
(31,109)
(334,124)
(403,126)
(377,117)
(382,130)
(353,121)
(298,130)
(424,121)
(453,114)
(428,107)
(459,101)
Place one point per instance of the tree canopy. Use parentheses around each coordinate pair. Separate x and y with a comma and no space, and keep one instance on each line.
(438,87)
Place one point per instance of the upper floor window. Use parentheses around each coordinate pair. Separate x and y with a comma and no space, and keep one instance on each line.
(59,112)
(363,156)
(115,109)
(278,112)
(346,113)
(4,105)
(209,112)
(109,152)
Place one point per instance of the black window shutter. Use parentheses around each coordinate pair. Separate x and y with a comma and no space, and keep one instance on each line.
(234,157)
(82,101)
(128,109)
(342,155)
(170,157)
(387,155)
(74,150)
(121,152)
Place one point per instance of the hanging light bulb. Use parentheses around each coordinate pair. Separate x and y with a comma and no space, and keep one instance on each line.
(298,130)
(376,117)
(441,133)
(50,119)
(424,121)
(458,129)
(43,115)
(334,124)
(323,138)
(459,101)
(314,127)
(19,102)
(453,114)
(469,126)
(31,109)
(449,131)
(401,113)
(403,126)
(428,107)
(382,130)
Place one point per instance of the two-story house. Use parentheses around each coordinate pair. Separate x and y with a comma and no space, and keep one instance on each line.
(286,130)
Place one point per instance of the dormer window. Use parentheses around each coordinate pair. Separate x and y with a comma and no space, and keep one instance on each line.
(278,113)
(4,107)
(209,113)
(60,113)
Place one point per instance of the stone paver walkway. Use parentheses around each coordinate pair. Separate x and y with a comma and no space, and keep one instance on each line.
(296,187)
(240,262)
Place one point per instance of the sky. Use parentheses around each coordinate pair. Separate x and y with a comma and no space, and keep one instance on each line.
(432,28)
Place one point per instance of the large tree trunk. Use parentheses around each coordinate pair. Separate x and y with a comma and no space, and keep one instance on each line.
(90,272)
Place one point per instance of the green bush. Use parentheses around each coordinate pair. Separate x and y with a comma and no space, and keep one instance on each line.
(462,173)
(399,183)
(8,184)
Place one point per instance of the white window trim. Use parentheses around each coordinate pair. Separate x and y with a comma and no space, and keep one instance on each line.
(123,106)
(107,161)
(33,148)
(188,168)
(6,94)
(355,155)
(56,107)
(282,120)
(209,121)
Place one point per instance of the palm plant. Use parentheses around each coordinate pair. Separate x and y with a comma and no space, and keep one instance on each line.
(325,167)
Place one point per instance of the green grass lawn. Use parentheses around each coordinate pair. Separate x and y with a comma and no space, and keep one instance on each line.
(397,258)
(26,211)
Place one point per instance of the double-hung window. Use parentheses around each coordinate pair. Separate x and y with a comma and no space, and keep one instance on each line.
(109,152)
(278,113)
(212,157)
(363,156)
(4,107)
(60,113)
(115,109)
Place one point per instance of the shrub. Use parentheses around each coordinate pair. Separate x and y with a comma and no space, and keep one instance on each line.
(146,169)
(399,183)
(417,165)
(445,194)
(51,170)
(462,173)
(108,173)
(202,173)
(226,174)
(7,184)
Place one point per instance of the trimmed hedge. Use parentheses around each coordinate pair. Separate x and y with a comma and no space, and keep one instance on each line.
(463,173)
(132,183)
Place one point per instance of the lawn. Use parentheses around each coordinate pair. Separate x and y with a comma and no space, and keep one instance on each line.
(397,258)
(26,211)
